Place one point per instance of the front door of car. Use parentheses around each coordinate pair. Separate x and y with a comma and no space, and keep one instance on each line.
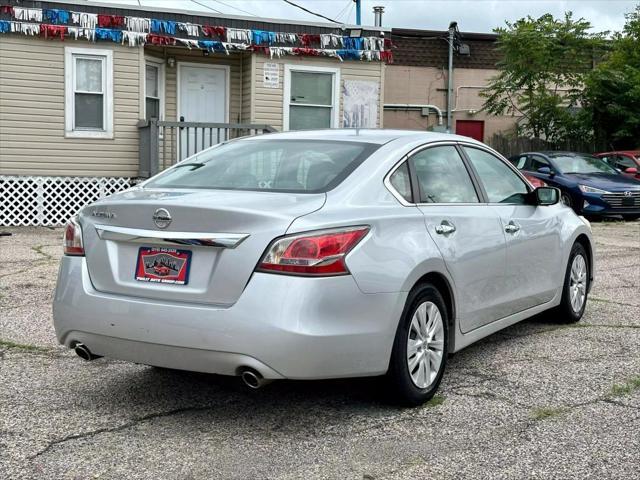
(533,233)
(469,235)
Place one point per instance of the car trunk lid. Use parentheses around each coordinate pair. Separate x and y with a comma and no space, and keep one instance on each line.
(226,233)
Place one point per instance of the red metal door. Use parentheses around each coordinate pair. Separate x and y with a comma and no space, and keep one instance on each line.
(471,128)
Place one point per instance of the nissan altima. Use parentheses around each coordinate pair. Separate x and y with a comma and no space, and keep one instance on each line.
(320,254)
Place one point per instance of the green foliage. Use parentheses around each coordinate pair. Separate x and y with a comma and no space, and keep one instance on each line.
(545,61)
(612,91)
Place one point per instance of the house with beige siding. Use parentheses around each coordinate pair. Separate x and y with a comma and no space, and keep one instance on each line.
(94,96)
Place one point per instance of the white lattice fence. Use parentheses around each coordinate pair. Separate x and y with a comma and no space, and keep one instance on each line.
(51,200)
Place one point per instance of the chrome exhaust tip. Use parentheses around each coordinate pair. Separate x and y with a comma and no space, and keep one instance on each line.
(253,379)
(84,353)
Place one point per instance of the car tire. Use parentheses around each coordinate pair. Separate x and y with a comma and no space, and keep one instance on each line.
(630,218)
(565,198)
(576,282)
(414,376)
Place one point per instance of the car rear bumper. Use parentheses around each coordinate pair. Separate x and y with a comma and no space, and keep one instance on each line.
(282,326)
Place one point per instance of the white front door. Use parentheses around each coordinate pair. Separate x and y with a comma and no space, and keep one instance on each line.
(202,97)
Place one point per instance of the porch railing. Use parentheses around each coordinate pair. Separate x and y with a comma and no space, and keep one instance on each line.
(163,143)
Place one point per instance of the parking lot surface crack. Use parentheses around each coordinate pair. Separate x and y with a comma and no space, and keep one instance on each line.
(124,426)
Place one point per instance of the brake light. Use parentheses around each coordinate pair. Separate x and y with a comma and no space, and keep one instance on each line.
(73,238)
(319,253)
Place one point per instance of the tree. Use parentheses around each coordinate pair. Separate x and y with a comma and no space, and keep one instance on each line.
(543,67)
(612,91)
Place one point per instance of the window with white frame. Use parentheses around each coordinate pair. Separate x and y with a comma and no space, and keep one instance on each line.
(88,93)
(154,89)
(310,97)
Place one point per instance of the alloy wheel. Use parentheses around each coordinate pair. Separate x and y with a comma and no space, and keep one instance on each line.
(425,344)
(578,283)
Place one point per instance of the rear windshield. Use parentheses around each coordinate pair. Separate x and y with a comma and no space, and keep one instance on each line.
(300,166)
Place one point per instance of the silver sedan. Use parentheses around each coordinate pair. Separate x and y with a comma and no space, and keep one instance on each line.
(320,254)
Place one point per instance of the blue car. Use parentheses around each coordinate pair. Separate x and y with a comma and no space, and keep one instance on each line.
(588,185)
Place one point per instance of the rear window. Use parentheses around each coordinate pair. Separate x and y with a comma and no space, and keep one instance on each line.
(300,166)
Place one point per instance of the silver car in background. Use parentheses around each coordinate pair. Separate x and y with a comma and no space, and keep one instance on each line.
(320,254)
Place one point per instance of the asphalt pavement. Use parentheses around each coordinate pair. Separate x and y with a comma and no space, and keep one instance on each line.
(537,400)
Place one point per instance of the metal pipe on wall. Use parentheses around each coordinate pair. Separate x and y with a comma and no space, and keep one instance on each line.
(414,106)
(452,31)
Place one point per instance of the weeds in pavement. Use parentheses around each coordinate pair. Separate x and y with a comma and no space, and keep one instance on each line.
(626,388)
(542,413)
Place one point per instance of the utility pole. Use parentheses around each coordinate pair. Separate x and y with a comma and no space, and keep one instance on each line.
(452,33)
(358,18)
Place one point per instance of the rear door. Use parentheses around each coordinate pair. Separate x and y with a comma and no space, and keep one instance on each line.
(468,234)
(534,253)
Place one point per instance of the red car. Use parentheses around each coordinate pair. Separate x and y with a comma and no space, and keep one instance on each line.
(627,161)
(161,270)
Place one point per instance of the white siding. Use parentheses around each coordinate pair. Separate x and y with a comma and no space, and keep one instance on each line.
(32,140)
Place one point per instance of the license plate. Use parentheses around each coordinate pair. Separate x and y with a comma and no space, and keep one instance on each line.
(163,265)
(627,202)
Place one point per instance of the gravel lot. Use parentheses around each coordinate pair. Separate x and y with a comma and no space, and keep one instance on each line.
(537,400)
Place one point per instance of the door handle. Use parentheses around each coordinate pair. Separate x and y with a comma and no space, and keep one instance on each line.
(512,227)
(445,228)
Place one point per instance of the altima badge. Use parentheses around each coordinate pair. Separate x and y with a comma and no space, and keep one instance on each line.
(103,214)
(162,218)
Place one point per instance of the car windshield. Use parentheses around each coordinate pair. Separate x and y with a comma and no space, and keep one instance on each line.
(298,166)
(581,164)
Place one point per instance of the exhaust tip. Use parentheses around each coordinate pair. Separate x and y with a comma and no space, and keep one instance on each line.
(84,353)
(253,379)
(250,379)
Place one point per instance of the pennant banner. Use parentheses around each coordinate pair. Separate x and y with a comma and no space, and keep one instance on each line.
(137,31)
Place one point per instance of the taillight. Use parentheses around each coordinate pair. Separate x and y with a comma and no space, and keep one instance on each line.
(319,253)
(73,238)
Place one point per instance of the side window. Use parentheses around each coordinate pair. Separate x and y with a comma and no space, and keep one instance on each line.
(520,162)
(538,162)
(442,176)
(401,182)
(623,163)
(500,182)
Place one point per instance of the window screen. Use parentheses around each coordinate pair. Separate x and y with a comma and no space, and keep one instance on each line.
(89,93)
(311,102)
(152,91)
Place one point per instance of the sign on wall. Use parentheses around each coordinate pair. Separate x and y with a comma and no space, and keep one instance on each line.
(271,78)
(360,104)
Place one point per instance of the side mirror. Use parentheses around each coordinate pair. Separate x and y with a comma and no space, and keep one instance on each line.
(546,196)
(546,171)
(632,170)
